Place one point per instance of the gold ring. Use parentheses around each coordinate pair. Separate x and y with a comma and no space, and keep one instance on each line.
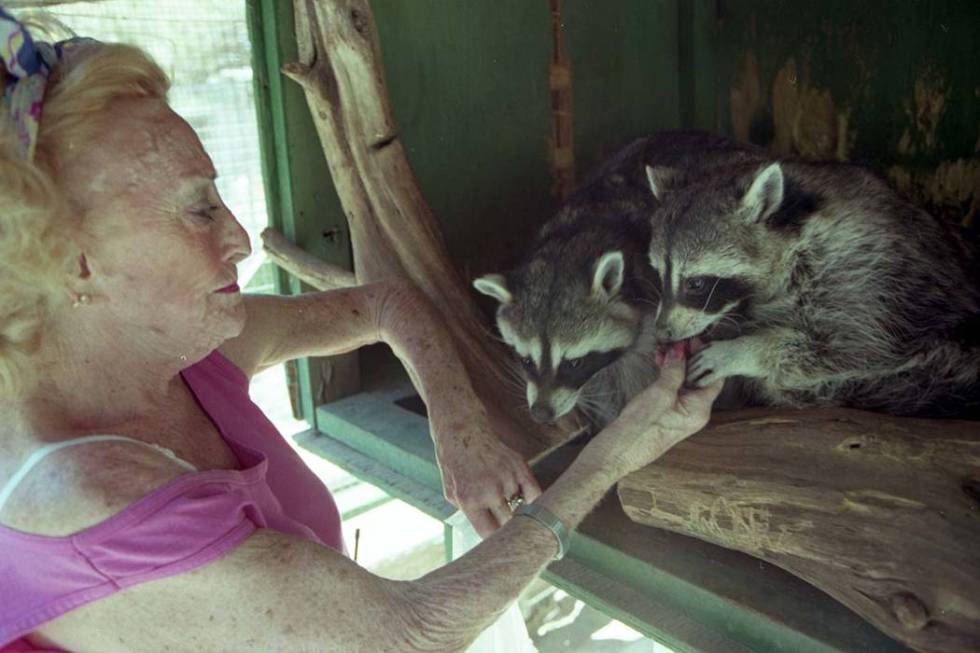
(515,502)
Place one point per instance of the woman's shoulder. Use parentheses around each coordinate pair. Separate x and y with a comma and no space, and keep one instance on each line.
(76,487)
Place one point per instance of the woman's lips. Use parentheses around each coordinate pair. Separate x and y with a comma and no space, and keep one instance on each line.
(232,288)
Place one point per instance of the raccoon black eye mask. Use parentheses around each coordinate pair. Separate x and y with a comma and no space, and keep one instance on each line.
(585,286)
(565,339)
(846,295)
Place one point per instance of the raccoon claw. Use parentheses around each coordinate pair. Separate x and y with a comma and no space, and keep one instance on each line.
(710,364)
(703,379)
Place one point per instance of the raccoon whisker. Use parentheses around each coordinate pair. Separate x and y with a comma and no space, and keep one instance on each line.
(712,292)
(728,320)
(595,394)
(589,406)
(513,380)
(515,387)
(512,372)
(596,398)
(649,302)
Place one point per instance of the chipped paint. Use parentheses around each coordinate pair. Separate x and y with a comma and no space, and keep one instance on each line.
(805,118)
(807,122)
(746,97)
(925,109)
(952,189)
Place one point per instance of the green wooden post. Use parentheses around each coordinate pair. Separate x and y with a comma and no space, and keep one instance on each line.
(300,196)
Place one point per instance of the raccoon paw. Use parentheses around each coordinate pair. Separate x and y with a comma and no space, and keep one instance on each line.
(716,361)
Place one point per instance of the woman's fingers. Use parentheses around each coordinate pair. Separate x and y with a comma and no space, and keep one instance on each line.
(700,400)
(530,489)
(501,512)
(484,523)
(672,371)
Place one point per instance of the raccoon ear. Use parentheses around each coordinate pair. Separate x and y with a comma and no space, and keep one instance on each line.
(765,194)
(608,277)
(494,285)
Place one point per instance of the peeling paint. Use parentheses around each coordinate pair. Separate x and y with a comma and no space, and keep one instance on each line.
(951,189)
(746,97)
(930,96)
(805,118)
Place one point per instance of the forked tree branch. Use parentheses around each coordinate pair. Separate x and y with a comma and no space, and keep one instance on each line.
(393,230)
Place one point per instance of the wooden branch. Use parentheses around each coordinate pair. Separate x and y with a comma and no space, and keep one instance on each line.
(393,230)
(882,513)
(304,266)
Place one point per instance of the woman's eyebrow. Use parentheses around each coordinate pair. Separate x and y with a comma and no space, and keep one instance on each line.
(197,182)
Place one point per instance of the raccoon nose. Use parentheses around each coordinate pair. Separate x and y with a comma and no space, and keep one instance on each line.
(542,413)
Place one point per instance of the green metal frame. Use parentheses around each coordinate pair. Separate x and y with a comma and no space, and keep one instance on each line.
(300,197)
(686,594)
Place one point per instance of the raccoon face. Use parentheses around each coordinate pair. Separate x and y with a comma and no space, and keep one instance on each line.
(563,328)
(711,250)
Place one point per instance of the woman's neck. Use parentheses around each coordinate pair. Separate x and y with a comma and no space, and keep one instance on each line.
(107,384)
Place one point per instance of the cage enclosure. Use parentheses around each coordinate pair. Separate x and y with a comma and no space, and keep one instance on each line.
(452,131)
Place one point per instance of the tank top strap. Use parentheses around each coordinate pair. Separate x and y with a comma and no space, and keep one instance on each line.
(39,454)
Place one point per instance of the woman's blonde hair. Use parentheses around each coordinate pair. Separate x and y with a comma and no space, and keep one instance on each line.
(36,253)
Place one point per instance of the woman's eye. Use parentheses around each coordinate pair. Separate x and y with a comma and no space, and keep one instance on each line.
(575,363)
(527,362)
(696,284)
(206,212)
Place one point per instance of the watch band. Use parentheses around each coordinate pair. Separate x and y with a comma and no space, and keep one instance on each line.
(547,519)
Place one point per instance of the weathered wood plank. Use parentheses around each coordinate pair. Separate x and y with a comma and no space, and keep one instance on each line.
(881,513)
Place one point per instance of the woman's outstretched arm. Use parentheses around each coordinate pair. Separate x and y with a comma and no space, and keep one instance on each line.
(276,592)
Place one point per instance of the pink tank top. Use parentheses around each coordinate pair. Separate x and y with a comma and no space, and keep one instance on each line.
(188,522)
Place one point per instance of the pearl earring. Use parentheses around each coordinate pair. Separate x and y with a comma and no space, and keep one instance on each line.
(81,299)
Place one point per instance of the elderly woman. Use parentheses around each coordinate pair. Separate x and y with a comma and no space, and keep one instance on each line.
(145,503)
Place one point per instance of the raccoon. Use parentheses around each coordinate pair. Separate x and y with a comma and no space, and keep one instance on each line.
(579,311)
(819,286)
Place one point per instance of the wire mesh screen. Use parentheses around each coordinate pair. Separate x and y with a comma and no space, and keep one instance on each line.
(204,48)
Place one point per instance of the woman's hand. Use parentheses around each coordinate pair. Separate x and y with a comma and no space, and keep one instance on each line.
(656,419)
(479,472)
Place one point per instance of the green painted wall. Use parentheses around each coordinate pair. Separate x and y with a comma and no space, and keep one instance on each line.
(468,81)
(891,83)
(624,73)
(301,200)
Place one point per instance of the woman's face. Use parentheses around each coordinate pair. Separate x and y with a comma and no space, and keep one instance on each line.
(159,243)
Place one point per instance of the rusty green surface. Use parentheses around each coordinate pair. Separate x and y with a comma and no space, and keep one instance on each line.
(893,84)
(468,82)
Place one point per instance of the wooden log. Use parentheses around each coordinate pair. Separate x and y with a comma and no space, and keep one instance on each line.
(393,230)
(882,513)
(303,265)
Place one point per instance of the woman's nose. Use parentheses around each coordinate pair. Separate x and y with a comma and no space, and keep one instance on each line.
(236,245)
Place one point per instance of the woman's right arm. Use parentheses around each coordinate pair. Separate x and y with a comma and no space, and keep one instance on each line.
(277,592)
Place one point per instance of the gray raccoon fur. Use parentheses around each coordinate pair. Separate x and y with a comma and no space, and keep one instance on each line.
(837,291)
(572,294)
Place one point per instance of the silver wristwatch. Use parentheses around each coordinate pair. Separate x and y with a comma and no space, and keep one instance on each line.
(547,519)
